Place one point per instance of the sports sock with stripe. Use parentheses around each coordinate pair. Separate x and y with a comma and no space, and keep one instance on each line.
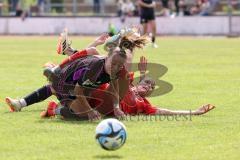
(38,95)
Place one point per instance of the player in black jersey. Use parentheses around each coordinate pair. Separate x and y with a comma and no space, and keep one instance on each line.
(147,17)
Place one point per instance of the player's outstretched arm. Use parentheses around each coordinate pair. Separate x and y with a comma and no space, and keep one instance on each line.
(142,67)
(117,111)
(99,41)
(201,110)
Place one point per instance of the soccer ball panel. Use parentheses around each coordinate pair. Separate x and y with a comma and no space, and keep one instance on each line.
(111,134)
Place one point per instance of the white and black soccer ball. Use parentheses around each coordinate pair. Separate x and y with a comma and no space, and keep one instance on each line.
(111,134)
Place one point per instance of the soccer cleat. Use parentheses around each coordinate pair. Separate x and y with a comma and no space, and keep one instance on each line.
(51,73)
(154,45)
(50,112)
(14,105)
(63,42)
(48,72)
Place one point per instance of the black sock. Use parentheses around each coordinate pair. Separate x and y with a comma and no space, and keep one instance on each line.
(38,95)
(153,39)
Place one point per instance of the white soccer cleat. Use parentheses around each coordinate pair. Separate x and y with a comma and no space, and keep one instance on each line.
(14,104)
(154,45)
(63,43)
(51,73)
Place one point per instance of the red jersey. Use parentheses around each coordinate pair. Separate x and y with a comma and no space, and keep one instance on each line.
(134,104)
(131,104)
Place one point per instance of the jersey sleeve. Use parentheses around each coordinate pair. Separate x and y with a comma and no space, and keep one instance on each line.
(148,108)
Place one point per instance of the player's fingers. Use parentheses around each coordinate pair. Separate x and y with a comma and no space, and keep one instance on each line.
(144,60)
(98,116)
(104,36)
(122,117)
(90,119)
(93,118)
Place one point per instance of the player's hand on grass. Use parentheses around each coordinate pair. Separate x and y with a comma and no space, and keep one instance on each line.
(119,113)
(204,109)
(94,115)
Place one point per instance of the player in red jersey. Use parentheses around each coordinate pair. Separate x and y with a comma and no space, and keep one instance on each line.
(134,101)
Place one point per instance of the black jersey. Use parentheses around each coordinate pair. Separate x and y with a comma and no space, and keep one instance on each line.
(88,72)
(145,9)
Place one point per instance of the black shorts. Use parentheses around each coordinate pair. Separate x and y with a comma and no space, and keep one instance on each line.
(145,17)
(165,3)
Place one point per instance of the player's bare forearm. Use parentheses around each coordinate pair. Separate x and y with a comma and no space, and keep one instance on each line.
(123,82)
(93,44)
(99,40)
(80,105)
(115,85)
(142,67)
(142,76)
(116,108)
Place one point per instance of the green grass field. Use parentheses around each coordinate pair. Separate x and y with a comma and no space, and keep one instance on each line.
(201,70)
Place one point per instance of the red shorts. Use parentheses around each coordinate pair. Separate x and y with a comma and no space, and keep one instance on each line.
(102,100)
